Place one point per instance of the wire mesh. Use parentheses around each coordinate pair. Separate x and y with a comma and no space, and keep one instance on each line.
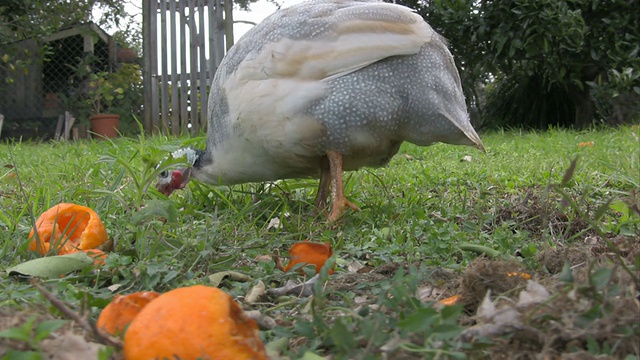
(46,78)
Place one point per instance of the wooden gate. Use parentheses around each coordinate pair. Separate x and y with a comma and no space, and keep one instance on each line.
(184,41)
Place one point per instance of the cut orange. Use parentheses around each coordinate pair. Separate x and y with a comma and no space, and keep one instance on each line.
(309,253)
(116,316)
(197,322)
(66,228)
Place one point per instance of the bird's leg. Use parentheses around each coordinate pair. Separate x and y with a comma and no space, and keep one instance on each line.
(338,202)
(323,187)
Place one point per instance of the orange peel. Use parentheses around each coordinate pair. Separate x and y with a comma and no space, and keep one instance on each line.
(66,228)
(116,316)
(309,253)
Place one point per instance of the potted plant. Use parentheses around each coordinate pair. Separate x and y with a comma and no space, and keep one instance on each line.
(101,96)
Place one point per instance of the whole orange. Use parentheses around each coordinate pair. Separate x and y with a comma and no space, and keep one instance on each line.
(66,228)
(189,323)
(116,316)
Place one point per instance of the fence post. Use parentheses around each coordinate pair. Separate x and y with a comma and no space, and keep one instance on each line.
(177,36)
(146,68)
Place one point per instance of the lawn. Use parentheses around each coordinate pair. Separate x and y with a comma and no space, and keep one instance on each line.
(436,222)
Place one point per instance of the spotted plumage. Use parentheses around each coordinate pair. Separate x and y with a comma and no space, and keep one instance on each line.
(327,86)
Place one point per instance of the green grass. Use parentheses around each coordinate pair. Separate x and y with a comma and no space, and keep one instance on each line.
(418,210)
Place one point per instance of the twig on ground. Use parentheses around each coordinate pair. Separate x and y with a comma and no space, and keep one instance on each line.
(69,313)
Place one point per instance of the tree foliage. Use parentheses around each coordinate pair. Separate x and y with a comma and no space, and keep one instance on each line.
(539,55)
(23,19)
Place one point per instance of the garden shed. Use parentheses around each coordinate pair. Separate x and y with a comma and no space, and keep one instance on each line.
(30,101)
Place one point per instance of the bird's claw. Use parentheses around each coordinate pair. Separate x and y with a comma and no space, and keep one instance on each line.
(339,207)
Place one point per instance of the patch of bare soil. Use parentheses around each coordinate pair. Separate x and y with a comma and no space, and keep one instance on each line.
(538,212)
(587,250)
(597,313)
(68,342)
(593,314)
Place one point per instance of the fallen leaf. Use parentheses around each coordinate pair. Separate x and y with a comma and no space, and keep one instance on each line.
(114,287)
(487,309)
(264,258)
(217,278)
(275,347)
(354,266)
(294,288)
(533,294)
(52,266)
(255,293)
(492,320)
(274,223)
(70,346)
(264,322)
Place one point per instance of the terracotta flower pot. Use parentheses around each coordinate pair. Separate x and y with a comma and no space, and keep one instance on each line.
(126,55)
(105,125)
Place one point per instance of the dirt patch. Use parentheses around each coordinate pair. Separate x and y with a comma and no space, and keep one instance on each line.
(593,315)
(66,342)
(500,276)
(598,310)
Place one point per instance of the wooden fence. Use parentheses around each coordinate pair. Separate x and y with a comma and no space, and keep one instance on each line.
(184,41)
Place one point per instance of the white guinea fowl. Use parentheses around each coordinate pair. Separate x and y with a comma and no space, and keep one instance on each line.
(326,86)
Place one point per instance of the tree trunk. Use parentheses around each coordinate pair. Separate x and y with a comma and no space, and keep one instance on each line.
(583,105)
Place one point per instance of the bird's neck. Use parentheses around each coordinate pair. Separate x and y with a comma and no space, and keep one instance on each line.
(202,158)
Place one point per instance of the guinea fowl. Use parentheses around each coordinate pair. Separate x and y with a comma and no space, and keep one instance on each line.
(323,87)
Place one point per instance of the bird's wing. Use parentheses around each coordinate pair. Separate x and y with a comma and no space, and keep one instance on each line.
(283,65)
(351,38)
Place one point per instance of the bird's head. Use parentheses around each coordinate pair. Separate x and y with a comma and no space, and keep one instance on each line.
(177,177)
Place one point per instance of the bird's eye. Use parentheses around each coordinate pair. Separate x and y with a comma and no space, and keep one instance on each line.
(164,174)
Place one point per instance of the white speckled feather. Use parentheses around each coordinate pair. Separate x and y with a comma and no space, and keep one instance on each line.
(358,77)
(354,40)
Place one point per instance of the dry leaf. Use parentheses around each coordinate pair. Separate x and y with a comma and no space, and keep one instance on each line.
(533,294)
(486,310)
(255,293)
(354,266)
(274,223)
(70,346)
(264,322)
(264,258)
(217,278)
(293,288)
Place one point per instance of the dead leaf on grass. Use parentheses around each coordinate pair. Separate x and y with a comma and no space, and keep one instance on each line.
(355,266)
(70,346)
(264,322)
(218,277)
(294,288)
(533,294)
(256,292)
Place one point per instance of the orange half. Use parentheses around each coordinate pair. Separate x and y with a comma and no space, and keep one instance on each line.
(66,228)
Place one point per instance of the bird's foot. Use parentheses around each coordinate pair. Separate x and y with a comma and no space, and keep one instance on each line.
(339,207)
(321,204)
